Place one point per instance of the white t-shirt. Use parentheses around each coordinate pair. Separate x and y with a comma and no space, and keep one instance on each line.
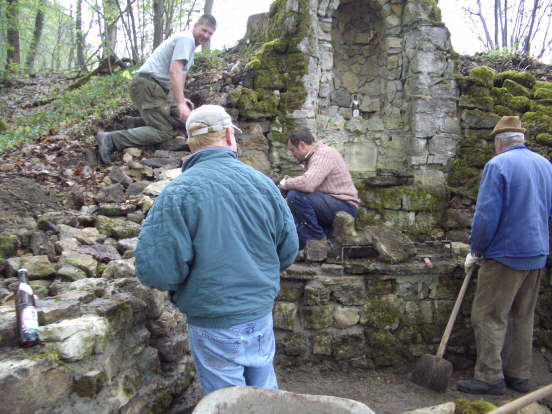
(180,46)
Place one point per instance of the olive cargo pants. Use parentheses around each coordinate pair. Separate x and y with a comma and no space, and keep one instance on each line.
(502,317)
(157,109)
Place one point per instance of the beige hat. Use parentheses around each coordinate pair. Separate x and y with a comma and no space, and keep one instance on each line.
(211,118)
(508,124)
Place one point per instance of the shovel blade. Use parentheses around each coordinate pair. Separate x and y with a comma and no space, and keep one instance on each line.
(432,372)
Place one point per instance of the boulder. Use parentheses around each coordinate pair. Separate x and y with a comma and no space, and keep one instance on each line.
(252,400)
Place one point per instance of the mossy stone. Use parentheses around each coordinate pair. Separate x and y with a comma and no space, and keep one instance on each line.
(519,104)
(3,125)
(537,122)
(542,109)
(544,138)
(515,88)
(279,65)
(8,246)
(542,93)
(90,384)
(473,407)
(462,174)
(542,84)
(318,317)
(383,348)
(483,74)
(380,314)
(160,404)
(500,95)
(484,103)
(502,110)
(523,78)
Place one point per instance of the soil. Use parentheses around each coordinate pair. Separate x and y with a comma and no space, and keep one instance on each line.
(390,391)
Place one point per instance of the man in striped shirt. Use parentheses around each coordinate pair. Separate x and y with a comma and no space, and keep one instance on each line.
(325,188)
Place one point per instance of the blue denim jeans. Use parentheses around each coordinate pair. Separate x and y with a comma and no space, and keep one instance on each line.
(314,214)
(240,355)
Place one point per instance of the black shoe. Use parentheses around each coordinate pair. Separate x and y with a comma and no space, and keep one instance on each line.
(105,146)
(518,384)
(475,386)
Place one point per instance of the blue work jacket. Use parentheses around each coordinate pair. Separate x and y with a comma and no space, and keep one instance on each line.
(514,206)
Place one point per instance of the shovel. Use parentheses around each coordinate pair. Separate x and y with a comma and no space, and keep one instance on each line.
(433,371)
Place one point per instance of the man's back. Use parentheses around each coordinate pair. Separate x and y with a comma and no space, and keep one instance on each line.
(514,205)
(238,236)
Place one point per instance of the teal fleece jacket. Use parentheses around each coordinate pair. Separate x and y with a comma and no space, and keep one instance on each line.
(217,238)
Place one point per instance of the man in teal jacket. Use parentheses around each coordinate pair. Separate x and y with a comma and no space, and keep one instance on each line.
(217,238)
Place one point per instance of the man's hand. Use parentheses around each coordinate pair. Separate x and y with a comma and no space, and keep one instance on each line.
(184,109)
(470,261)
(282,184)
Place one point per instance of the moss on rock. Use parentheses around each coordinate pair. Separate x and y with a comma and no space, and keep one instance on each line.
(278,65)
(515,88)
(8,246)
(523,78)
(543,93)
(461,173)
(484,75)
(519,104)
(473,407)
(544,138)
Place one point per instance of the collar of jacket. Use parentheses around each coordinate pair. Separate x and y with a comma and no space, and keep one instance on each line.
(517,146)
(208,153)
(313,148)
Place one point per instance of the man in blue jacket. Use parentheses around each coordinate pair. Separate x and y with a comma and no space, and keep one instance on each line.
(217,238)
(509,239)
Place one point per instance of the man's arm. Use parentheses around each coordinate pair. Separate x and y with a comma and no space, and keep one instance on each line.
(287,242)
(488,210)
(178,82)
(164,251)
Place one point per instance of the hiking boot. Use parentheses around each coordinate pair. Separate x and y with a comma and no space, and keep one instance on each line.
(105,146)
(133,122)
(475,386)
(518,384)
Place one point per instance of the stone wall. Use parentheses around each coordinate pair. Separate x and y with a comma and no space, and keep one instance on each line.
(396,59)
(369,314)
(108,344)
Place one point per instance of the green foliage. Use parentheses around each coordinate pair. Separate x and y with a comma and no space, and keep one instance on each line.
(207,60)
(76,110)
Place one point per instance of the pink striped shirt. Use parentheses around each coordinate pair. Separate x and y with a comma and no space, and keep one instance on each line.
(325,172)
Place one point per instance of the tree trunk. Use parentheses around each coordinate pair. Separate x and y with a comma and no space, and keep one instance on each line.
(208,9)
(13,55)
(527,43)
(110,15)
(79,38)
(158,7)
(37,34)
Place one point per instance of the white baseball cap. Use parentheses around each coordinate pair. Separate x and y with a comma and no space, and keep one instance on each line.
(214,116)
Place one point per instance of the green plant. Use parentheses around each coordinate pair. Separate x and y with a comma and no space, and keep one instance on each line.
(75,111)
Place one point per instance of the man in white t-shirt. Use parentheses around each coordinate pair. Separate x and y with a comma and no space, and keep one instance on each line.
(157,90)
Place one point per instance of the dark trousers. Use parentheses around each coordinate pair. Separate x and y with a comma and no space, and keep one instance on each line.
(314,214)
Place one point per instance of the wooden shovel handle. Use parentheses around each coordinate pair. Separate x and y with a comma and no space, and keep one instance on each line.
(454,313)
(521,402)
